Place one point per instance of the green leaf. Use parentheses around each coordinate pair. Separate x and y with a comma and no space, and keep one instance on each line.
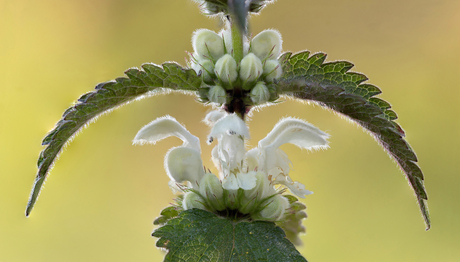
(197,235)
(107,96)
(330,85)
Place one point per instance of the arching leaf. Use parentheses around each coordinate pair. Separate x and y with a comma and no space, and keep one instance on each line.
(107,96)
(307,77)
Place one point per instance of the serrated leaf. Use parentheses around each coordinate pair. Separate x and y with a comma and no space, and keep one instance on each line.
(107,96)
(197,235)
(330,85)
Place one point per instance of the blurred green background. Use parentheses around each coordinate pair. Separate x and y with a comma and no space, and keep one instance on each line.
(103,194)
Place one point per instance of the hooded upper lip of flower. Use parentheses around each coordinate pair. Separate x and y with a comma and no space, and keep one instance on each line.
(232,160)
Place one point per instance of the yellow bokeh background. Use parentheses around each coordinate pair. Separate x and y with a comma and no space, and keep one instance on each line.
(103,194)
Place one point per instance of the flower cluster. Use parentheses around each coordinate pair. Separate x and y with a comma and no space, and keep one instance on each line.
(249,182)
(213,59)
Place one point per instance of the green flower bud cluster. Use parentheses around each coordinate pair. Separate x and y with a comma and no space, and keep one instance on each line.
(222,75)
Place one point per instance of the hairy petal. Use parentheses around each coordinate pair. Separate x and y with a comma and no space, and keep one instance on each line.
(165,127)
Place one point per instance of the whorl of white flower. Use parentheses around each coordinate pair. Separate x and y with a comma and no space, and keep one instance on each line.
(272,70)
(226,69)
(208,44)
(217,94)
(267,44)
(260,93)
(184,164)
(205,67)
(193,200)
(275,209)
(164,127)
(250,68)
(211,188)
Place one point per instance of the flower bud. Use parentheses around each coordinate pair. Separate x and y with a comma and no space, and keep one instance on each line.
(226,69)
(205,67)
(184,164)
(274,211)
(267,44)
(272,70)
(251,68)
(193,200)
(260,93)
(211,189)
(217,94)
(226,35)
(208,44)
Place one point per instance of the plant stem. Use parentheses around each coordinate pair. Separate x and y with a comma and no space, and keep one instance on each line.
(237,42)
(237,105)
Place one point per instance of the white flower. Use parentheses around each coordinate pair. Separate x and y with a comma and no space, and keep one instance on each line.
(230,132)
(182,163)
(271,160)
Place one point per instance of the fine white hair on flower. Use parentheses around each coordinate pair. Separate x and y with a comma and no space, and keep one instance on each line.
(214,116)
(297,132)
(164,127)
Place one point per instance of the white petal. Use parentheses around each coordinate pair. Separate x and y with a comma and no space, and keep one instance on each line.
(276,163)
(296,188)
(252,159)
(262,189)
(214,116)
(230,124)
(297,132)
(184,164)
(290,123)
(230,183)
(231,150)
(174,188)
(246,181)
(164,127)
